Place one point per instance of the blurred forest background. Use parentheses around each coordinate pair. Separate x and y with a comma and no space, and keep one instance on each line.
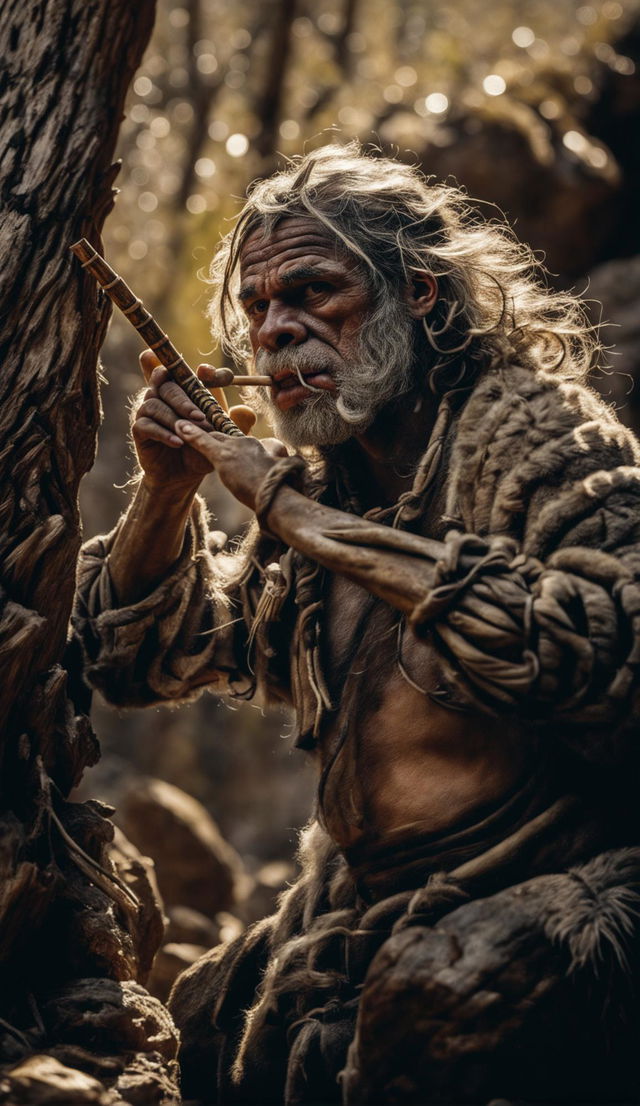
(531,105)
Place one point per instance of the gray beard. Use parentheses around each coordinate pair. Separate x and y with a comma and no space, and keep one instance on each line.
(381,369)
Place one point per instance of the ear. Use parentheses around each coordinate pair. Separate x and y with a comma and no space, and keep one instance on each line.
(421,293)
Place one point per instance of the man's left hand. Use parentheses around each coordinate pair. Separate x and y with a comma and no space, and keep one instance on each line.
(241,463)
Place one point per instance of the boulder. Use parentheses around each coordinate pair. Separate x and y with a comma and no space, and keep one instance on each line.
(194,865)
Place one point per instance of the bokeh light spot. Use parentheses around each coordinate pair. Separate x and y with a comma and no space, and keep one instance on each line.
(237,145)
(598,157)
(178,17)
(329,22)
(218,130)
(583,85)
(241,38)
(393,93)
(436,103)
(302,27)
(523,37)
(494,84)
(205,167)
(405,76)
(138,249)
(575,142)
(139,113)
(289,129)
(140,175)
(623,65)
(142,86)
(147,201)
(183,111)
(196,204)
(207,64)
(160,126)
(145,141)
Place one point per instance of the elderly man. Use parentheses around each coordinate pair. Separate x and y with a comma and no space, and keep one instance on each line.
(442,581)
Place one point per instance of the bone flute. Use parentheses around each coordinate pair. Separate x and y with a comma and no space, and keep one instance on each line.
(144,322)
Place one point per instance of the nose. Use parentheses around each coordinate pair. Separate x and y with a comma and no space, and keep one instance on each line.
(280,327)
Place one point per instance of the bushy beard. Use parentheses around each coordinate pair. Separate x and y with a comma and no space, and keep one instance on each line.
(380,369)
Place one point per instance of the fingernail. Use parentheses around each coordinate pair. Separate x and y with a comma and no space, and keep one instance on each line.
(186,428)
(197,414)
(175,441)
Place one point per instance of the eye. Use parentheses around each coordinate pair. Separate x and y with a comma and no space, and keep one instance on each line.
(318,286)
(258,307)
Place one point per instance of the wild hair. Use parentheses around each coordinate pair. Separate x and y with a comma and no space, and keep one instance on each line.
(493,303)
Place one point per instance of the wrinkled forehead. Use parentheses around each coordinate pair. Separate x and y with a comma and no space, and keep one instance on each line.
(292,239)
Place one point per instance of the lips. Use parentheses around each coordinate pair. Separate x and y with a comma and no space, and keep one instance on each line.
(289,391)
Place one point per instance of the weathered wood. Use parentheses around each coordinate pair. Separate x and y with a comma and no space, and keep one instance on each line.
(153,335)
(66,908)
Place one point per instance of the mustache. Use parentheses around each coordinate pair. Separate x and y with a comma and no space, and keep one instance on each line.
(298,358)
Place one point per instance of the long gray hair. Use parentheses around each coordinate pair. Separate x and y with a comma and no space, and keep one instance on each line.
(493,302)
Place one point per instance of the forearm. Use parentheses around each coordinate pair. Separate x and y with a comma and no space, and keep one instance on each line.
(396,567)
(149,540)
(515,630)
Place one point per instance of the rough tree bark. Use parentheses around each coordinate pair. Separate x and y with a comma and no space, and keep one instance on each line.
(78,927)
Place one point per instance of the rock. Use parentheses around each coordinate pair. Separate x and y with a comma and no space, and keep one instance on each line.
(110,1017)
(134,1079)
(148,1081)
(195,866)
(44,1081)
(192,927)
(172,959)
(270,881)
(175,955)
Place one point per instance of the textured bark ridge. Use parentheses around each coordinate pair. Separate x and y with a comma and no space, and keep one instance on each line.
(79,922)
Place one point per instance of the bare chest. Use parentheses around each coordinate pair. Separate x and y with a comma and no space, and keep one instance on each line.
(392,755)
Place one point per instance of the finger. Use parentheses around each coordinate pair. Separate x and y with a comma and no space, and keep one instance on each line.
(205,371)
(214,378)
(159,376)
(153,408)
(148,362)
(201,440)
(274,447)
(175,397)
(146,430)
(243,416)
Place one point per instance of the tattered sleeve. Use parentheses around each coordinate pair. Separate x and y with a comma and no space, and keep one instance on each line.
(187,633)
(535,603)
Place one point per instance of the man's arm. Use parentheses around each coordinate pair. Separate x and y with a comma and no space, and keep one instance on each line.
(149,541)
(151,537)
(152,608)
(550,628)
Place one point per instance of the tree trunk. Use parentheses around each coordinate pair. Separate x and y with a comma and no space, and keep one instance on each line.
(77,933)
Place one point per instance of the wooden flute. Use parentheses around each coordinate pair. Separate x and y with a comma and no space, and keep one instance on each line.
(144,322)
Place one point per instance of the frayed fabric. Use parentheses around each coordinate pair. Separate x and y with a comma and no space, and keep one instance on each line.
(306,1034)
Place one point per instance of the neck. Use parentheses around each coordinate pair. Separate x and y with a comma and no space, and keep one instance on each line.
(388,452)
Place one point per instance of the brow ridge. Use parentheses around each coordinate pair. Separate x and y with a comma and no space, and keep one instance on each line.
(301,272)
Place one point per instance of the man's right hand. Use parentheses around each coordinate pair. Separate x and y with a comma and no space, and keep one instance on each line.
(167,462)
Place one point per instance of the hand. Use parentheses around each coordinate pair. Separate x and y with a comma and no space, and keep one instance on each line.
(241,463)
(163,456)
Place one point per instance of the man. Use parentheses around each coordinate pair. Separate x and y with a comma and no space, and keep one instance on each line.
(446,591)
